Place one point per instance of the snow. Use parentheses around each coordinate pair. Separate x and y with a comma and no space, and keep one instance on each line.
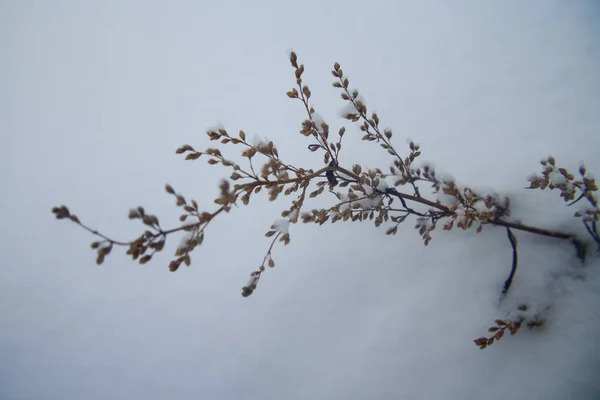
(343,175)
(360,98)
(480,206)
(347,312)
(382,185)
(445,199)
(584,207)
(281,225)
(318,120)
(369,202)
(347,108)
(293,217)
(259,141)
(556,178)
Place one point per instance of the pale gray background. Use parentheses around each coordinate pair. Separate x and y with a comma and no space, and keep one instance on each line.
(95,96)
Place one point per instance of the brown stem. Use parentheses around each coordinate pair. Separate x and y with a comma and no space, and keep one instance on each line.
(95,232)
(286,181)
(402,195)
(304,100)
(513,225)
(268,254)
(532,229)
(513,243)
(421,200)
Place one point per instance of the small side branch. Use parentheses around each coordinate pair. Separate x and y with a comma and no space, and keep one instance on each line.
(513,243)
(593,231)
(531,229)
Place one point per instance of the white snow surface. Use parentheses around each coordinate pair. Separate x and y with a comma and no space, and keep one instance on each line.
(281,225)
(96,97)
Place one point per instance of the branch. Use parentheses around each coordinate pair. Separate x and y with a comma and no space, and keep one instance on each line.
(513,243)
(531,229)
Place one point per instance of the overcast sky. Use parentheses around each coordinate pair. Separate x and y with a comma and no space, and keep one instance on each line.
(95,96)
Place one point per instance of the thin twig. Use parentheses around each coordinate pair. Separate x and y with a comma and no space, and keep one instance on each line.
(513,270)
(95,232)
(593,233)
(531,229)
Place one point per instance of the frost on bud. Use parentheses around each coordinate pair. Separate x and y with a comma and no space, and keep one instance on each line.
(251,285)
